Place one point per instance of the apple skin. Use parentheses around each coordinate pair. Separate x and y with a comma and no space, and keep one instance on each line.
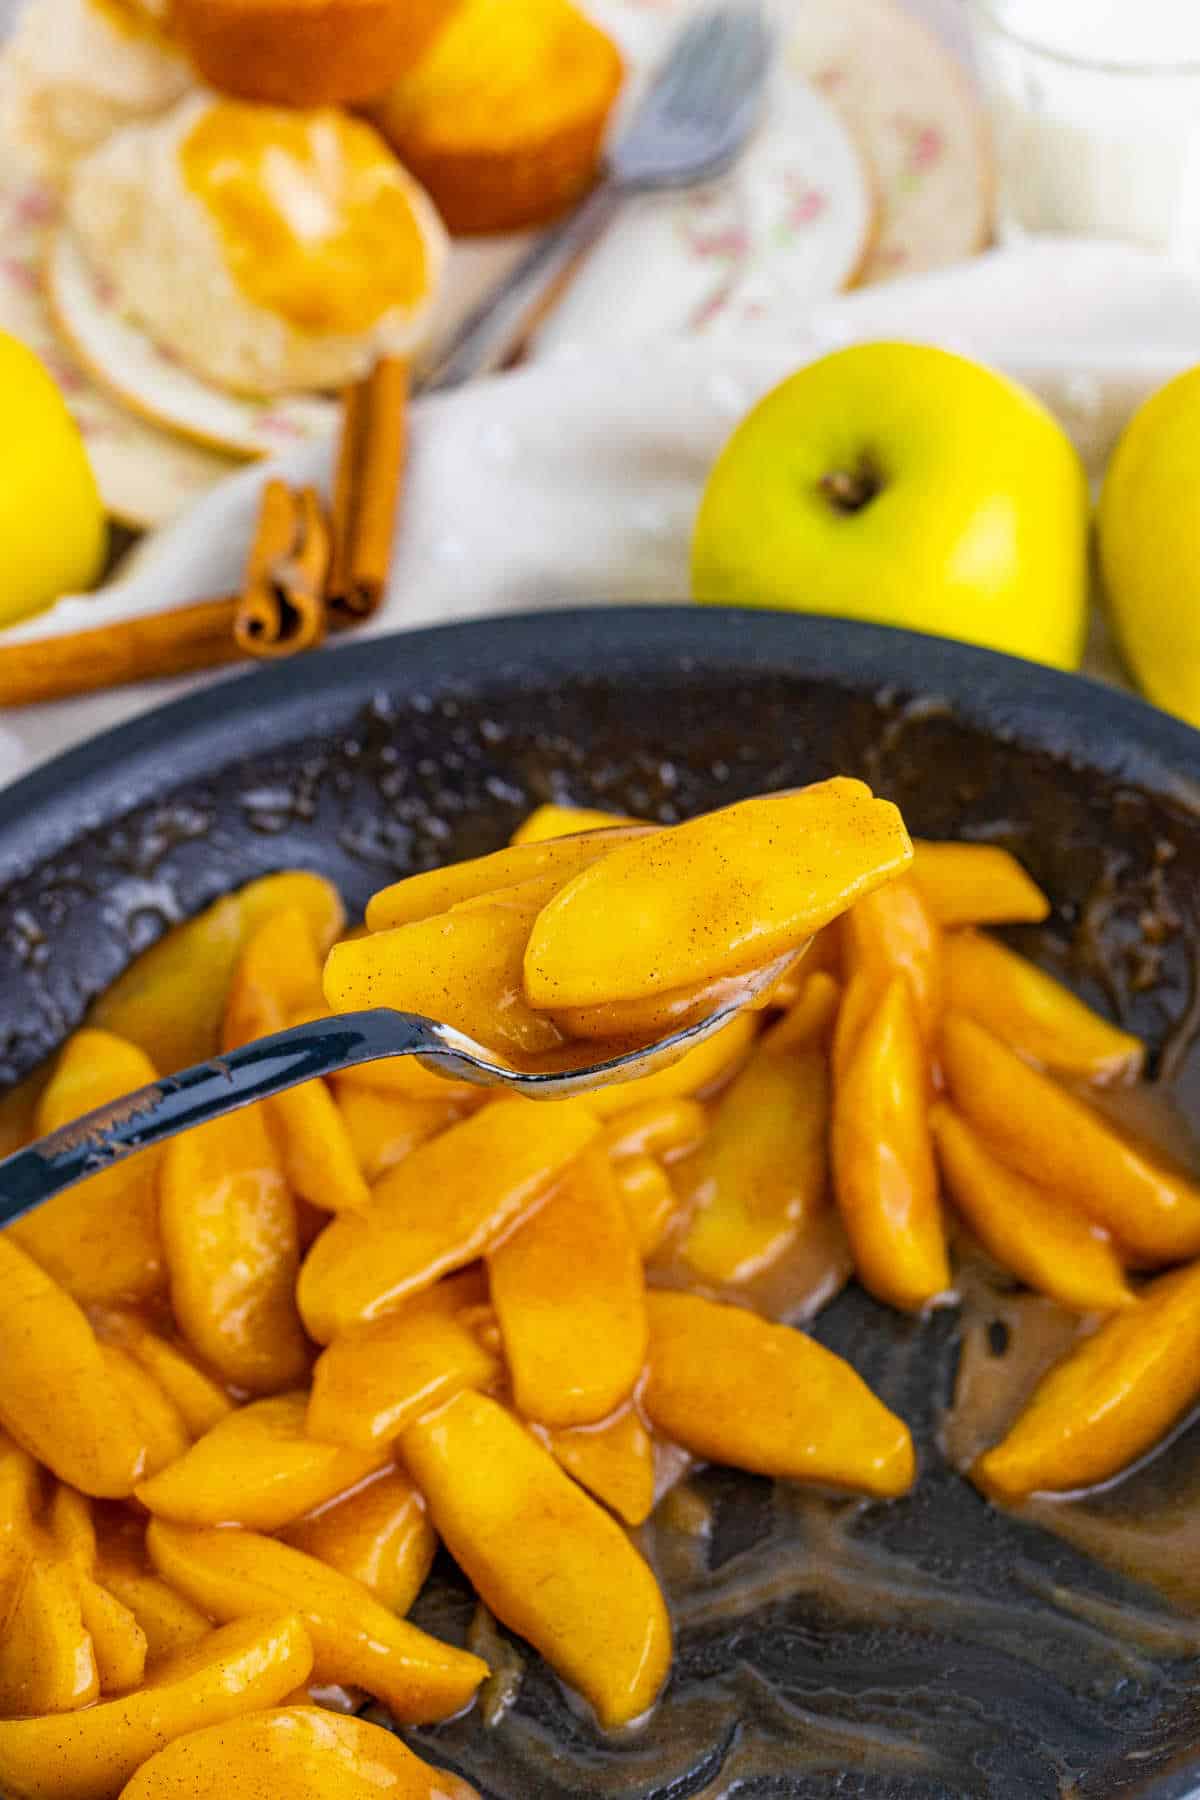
(1148,536)
(52,524)
(974,505)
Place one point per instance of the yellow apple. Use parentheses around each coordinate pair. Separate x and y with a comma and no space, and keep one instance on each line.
(1148,530)
(901,484)
(52,531)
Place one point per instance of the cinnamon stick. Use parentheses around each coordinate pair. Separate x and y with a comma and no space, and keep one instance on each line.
(81,662)
(370,465)
(279,611)
(282,605)
(304,572)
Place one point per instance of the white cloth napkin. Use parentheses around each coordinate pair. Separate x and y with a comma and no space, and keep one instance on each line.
(575,481)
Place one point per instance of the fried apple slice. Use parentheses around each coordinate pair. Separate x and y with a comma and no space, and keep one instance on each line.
(89,1755)
(100,1239)
(555,821)
(1058,1141)
(1054,1248)
(168,1622)
(650,1200)
(304,1752)
(762,1172)
(892,932)
(370,1384)
(379,1535)
(159,1421)
(727,893)
(1109,1400)
(810,1018)
(356,1641)
(384,1127)
(58,1398)
(976,884)
(613,1460)
(199,1400)
(439,1209)
(170,1001)
(258,1468)
(569,1293)
(47,1660)
(666,1128)
(732,1388)
(883,1168)
(278,975)
(463,967)
(230,1236)
(548,1561)
(118,1641)
(438,890)
(1034,1014)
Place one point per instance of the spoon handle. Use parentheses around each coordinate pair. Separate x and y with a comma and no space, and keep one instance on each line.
(149,1116)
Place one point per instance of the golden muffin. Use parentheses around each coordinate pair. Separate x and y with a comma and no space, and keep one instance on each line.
(503,119)
(75,71)
(307,52)
(269,251)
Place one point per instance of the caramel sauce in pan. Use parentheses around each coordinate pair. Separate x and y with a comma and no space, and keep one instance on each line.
(809,1564)
(1153,1115)
(813,1269)
(1009,1338)
(500,1690)
(1162,1550)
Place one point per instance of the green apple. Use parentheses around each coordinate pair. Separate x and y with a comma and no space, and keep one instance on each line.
(52,530)
(902,484)
(1148,529)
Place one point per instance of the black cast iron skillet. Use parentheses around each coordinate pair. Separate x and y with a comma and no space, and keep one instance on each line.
(932,1647)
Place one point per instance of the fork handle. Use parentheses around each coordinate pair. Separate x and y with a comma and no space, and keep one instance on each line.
(503,314)
(152,1114)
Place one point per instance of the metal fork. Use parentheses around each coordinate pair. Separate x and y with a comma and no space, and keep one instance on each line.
(690,125)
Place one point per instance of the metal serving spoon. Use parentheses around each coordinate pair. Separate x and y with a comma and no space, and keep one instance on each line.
(150,1115)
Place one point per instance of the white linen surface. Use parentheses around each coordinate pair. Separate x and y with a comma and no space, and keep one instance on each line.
(576,480)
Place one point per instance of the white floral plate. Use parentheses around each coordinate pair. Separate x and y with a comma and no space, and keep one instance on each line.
(154,385)
(916,115)
(146,475)
(796,219)
(791,224)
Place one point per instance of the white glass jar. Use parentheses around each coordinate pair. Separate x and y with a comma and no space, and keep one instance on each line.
(1096,112)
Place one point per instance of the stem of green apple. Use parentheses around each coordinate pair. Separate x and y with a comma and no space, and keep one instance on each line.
(849,490)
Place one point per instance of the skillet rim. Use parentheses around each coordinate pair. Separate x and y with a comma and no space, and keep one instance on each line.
(1071,716)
